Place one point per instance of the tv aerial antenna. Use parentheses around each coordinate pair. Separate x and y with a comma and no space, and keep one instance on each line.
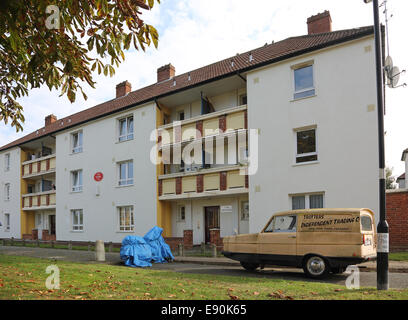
(392,72)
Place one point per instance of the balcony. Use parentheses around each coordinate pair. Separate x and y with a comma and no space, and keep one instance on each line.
(38,167)
(212,124)
(204,182)
(39,201)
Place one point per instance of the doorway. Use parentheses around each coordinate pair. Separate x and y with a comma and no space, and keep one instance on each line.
(211,220)
(51,220)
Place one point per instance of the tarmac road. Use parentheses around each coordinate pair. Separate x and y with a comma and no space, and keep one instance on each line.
(397,280)
(367,279)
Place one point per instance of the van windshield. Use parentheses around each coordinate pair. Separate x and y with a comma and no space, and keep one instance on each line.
(366,223)
(282,224)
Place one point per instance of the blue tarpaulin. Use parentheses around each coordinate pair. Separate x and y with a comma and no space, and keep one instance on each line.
(140,252)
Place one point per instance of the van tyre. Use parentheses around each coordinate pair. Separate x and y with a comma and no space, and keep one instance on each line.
(315,267)
(249,266)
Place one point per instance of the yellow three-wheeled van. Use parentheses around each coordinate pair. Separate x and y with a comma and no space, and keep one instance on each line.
(318,240)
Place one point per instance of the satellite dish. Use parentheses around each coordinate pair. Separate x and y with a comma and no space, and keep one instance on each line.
(394,77)
(388,65)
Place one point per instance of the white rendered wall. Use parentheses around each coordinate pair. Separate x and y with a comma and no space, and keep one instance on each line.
(230,222)
(344,111)
(12,206)
(101,152)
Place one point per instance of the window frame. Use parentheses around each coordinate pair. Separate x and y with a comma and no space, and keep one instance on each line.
(126,228)
(242,216)
(308,154)
(271,223)
(296,92)
(7,222)
(79,187)
(129,181)
(7,187)
(7,162)
(307,199)
(80,216)
(126,136)
(179,216)
(78,148)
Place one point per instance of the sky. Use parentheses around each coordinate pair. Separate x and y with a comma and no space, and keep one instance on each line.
(195,33)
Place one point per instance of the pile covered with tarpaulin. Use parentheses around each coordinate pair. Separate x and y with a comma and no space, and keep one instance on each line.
(141,252)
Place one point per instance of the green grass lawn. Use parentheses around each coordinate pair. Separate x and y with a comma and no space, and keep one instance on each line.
(398,256)
(24,278)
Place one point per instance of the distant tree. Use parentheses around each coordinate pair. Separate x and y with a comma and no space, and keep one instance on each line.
(51,41)
(389,179)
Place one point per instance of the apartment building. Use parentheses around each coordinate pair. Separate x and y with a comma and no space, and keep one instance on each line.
(289,125)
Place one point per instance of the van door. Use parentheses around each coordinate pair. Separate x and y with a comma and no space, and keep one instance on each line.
(368,235)
(277,243)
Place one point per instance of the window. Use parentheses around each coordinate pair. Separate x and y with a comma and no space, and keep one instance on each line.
(282,224)
(126,222)
(7,191)
(243,99)
(6,222)
(77,142)
(180,115)
(312,201)
(182,214)
(76,180)
(245,211)
(366,223)
(304,84)
(7,162)
(126,173)
(306,146)
(126,129)
(77,220)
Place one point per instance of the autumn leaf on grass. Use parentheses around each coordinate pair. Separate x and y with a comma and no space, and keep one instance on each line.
(232,297)
(314,293)
(256,293)
(148,283)
(172,296)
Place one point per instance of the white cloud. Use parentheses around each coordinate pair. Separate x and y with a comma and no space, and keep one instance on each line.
(194,33)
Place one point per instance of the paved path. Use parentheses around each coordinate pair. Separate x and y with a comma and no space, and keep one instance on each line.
(218,266)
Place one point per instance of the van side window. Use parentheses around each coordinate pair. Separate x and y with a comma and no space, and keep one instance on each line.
(282,224)
(366,223)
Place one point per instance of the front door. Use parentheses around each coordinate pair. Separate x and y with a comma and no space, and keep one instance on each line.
(52,223)
(212,221)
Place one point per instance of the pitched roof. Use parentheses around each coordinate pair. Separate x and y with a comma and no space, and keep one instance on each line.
(401,177)
(262,56)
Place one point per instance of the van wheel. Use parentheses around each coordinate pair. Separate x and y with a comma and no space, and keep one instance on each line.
(315,267)
(338,270)
(249,266)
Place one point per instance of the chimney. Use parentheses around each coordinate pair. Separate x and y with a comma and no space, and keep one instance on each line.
(123,89)
(50,119)
(320,23)
(166,72)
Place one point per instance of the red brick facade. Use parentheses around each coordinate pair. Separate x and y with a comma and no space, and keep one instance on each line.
(200,183)
(222,120)
(223,181)
(188,239)
(178,185)
(215,237)
(397,218)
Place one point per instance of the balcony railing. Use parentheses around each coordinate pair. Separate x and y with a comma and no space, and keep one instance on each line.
(39,166)
(224,180)
(39,200)
(226,120)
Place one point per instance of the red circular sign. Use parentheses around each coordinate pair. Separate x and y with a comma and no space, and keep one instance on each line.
(98,176)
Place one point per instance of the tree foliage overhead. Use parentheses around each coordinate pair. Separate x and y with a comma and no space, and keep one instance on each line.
(62,53)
